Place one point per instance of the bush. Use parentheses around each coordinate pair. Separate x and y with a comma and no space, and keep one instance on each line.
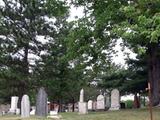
(129,104)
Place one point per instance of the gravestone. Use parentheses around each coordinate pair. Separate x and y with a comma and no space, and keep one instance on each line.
(41,103)
(33,110)
(115,100)
(100,102)
(17,111)
(94,105)
(54,113)
(25,106)
(107,99)
(90,105)
(82,106)
(14,103)
(4,108)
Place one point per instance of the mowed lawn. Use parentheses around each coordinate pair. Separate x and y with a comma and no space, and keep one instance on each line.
(139,114)
(134,114)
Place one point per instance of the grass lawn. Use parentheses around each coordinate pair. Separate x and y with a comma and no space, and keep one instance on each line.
(139,114)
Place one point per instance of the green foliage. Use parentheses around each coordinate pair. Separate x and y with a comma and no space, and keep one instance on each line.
(21,23)
(129,104)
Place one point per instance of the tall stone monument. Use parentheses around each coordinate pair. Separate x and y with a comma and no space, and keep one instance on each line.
(25,106)
(14,103)
(115,99)
(41,103)
(82,106)
(100,102)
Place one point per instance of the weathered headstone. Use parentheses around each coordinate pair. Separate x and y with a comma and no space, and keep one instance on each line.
(14,102)
(25,106)
(94,105)
(115,100)
(107,99)
(41,103)
(90,105)
(100,102)
(4,108)
(82,106)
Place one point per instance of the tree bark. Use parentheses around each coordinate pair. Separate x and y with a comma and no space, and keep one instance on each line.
(73,101)
(154,72)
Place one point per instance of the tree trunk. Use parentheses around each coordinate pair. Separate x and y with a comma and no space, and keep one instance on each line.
(23,87)
(136,101)
(73,105)
(153,72)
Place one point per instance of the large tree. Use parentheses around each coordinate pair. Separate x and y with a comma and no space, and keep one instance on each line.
(140,28)
(22,24)
(136,22)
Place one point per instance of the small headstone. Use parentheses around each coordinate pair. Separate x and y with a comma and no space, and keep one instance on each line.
(17,111)
(4,108)
(14,103)
(33,110)
(41,103)
(100,102)
(25,106)
(90,105)
(94,105)
(115,100)
(54,113)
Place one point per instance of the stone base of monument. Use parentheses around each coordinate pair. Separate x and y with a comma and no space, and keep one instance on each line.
(54,115)
(114,108)
(11,111)
(82,108)
(99,110)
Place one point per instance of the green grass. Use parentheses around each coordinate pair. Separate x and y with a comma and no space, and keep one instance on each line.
(136,114)
(14,117)
(141,114)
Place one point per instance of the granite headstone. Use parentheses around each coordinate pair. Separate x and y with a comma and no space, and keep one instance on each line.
(41,103)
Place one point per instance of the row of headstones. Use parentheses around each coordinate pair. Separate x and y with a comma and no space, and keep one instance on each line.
(100,104)
(41,105)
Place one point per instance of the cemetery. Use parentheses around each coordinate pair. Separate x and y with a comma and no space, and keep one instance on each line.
(79,59)
(105,107)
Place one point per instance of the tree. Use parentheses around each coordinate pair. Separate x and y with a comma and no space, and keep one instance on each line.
(22,22)
(140,28)
(136,22)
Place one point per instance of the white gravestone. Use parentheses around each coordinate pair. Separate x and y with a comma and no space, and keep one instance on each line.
(115,100)
(14,102)
(25,106)
(100,102)
(17,111)
(33,111)
(82,106)
(54,113)
(90,105)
